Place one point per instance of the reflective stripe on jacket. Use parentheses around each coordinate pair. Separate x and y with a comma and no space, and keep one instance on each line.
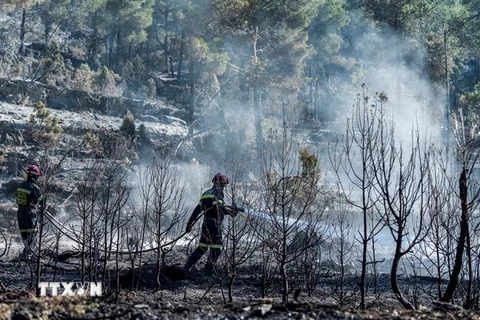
(28,195)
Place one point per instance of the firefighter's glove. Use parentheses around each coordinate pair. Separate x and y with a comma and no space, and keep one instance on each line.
(237,209)
(234,212)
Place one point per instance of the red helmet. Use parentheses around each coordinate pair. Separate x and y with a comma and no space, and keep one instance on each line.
(220,179)
(33,170)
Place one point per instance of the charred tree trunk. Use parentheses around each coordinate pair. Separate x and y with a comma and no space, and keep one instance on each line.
(233,266)
(457,267)
(393,274)
(142,242)
(375,269)
(468,248)
(159,252)
(364,260)
(82,246)
(117,260)
(283,264)
(38,269)
(283,272)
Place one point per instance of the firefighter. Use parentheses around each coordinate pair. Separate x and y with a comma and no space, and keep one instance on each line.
(28,195)
(213,207)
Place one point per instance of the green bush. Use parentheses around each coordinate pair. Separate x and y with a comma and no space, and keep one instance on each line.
(128,125)
(44,127)
(105,82)
(83,78)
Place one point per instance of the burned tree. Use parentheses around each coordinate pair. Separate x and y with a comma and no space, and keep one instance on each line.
(468,156)
(162,196)
(343,245)
(240,242)
(113,196)
(401,183)
(289,203)
(86,201)
(102,194)
(353,165)
(434,254)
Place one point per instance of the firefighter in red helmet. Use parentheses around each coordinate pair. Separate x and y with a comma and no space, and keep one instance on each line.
(28,195)
(213,207)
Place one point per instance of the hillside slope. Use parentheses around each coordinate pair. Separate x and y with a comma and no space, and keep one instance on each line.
(79,115)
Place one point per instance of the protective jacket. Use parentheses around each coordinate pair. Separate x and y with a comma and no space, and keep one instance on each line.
(28,195)
(214,210)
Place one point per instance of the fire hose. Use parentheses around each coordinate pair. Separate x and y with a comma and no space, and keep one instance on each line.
(65,231)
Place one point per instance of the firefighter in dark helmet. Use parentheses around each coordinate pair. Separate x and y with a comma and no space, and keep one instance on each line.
(28,195)
(213,207)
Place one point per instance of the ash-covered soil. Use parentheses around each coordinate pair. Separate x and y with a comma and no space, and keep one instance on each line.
(189,296)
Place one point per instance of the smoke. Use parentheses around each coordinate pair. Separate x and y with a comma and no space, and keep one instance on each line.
(394,65)
(198,177)
(379,58)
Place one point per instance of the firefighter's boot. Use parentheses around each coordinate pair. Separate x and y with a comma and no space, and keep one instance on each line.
(194,257)
(211,267)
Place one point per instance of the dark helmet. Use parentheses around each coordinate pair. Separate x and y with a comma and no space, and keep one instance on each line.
(33,171)
(220,179)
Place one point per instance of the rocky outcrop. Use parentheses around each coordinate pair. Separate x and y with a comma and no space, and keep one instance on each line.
(20,92)
(161,130)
